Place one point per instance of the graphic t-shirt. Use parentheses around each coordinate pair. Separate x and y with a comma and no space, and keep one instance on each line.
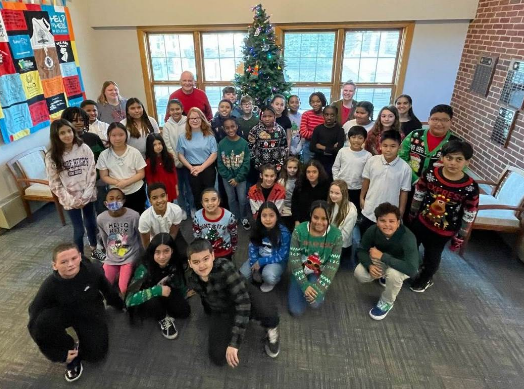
(120,236)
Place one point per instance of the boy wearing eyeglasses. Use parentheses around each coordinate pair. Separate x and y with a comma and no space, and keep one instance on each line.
(422,149)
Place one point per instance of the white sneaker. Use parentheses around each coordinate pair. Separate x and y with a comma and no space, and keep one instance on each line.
(266,287)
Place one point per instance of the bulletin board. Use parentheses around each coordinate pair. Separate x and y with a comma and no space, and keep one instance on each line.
(39,69)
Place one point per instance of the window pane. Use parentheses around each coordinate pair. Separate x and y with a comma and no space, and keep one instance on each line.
(380,97)
(171,54)
(162,94)
(304,93)
(222,54)
(214,95)
(369,56)
(309,56)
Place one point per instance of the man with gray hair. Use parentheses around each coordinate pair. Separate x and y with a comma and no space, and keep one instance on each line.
(190,96)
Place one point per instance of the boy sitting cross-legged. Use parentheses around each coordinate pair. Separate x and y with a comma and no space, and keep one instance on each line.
(387,250)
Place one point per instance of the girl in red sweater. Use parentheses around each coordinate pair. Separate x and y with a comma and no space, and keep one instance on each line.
(161,165)
(311,119)
(267,189)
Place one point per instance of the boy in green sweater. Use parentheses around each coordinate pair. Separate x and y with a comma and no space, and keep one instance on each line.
(387,250)
(233,167)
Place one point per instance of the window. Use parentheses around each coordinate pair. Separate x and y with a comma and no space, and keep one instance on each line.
(318,58)
(369,58)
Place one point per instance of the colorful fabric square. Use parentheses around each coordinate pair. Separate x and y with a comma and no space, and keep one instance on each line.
(3,31)
(24,65)
(39,29)
(52,86)
(68,69)
(56,104)
(58,19)
(65,51)
(11,91)
(20,46)
(72,86)
(47,62)
(18,121)
(39,112)
(76,101)
(31,84)
(14,20)
(6,63)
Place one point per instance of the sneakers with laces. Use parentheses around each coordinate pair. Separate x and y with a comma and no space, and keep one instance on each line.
(382,281)
(421,287)
(380,311)
(272,345)
(74,370)
(246,225)
(167,325)
(265,287)
(98,255)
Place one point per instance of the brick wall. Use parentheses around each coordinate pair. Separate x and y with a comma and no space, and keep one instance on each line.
(498,28)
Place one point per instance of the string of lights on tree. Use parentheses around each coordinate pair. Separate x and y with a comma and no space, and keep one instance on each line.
(263,64)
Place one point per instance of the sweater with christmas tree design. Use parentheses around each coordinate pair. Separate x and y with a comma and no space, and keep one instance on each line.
(222,232)
(315,254)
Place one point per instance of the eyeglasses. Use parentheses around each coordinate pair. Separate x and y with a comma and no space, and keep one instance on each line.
(436,120)
(195,119)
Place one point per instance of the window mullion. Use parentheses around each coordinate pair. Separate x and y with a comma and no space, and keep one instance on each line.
(199,59)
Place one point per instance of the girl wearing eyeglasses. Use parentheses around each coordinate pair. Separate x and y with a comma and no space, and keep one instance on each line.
(313,260)
(197,151)
(122,166)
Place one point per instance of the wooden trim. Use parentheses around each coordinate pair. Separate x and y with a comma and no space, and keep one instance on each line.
(337,64)
(345,26)
(145,60)
(402,62)
(199,63)
(193,28)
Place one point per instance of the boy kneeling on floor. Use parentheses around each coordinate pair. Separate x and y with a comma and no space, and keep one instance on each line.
(388,252)
(230,302)
(72,297)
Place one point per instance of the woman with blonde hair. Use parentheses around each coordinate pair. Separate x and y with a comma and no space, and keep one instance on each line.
(112,106)
(197,151)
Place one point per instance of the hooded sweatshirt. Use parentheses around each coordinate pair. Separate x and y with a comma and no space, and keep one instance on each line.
(172,130)
(75,184)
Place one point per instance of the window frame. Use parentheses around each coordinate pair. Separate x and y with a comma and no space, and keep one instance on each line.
(340,29)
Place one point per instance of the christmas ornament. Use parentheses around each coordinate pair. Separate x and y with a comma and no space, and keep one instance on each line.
(257,31)
(255,72)
(265,47)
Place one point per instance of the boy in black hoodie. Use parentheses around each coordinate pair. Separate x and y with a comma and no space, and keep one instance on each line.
(70,297)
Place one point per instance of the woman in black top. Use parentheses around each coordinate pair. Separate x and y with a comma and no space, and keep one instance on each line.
(278,103)
(408,121)
(313,184)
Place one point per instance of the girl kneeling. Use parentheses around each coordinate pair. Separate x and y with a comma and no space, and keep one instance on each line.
(268,248)
(158,287)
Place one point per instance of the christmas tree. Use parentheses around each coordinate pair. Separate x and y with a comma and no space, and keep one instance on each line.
(263,63)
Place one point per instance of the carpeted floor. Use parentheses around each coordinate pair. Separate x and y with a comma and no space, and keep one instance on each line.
(467,331)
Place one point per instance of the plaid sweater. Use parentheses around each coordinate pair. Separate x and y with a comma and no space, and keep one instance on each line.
(224,292)
(326,248)
(445,207)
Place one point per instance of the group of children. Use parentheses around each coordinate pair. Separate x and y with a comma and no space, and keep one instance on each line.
(319,187)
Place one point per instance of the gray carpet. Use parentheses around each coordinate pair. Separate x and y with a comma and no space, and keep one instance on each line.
(467,331)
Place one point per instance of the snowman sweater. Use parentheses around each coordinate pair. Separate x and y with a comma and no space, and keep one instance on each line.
(323,250)
(443,206)
(221,232)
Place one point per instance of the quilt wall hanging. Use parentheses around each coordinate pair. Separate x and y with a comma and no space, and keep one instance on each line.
(39,69)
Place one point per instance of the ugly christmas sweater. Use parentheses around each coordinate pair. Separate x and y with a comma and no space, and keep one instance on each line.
(268,145)
(221,232)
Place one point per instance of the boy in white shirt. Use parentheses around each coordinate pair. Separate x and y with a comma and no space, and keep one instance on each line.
(387,179)
(95,126)
(349,164)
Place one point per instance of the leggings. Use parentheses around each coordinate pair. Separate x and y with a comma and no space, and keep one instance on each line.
(124,271)
(206,179)
(137,200)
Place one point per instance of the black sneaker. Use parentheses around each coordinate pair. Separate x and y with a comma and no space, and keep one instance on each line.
(167,325)
(421,287)
(246,225)
(272,345)
(98,255)
(74,370)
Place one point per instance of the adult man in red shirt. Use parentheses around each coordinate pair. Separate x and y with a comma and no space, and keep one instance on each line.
(190,96)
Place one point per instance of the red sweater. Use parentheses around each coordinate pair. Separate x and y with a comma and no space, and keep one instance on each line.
(308,123)
(170,180)
(256,197)
(197,98)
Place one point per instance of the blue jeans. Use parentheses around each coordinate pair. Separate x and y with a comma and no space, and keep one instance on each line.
(237,206)
(271,272)
(89,220)
(306,153)
(297,303)
(185,197)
